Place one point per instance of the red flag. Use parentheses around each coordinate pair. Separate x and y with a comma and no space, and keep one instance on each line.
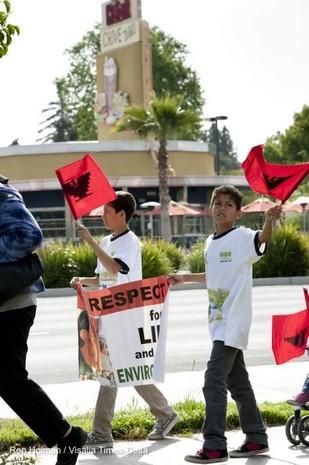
(85,186)
(290,334)
(280,181)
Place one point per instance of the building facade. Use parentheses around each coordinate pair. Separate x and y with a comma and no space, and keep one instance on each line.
(129,165)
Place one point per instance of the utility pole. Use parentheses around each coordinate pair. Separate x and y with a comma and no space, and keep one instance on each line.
(215,119)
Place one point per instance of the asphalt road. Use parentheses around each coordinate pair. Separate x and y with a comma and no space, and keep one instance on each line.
(52,354)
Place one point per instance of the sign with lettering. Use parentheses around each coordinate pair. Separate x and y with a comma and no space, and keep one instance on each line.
(120,35)
(122,332)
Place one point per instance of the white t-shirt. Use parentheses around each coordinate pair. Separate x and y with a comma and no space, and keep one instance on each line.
(228,265)
(126,250)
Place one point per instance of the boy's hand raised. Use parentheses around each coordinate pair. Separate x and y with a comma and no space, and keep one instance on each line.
(274,213)
(83,233)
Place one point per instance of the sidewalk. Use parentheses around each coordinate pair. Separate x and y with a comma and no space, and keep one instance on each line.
(172,450)
(271,383)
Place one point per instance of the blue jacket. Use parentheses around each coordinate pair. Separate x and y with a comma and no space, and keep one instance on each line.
(19,232)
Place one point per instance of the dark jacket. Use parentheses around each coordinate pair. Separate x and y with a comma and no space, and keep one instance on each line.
(19,232)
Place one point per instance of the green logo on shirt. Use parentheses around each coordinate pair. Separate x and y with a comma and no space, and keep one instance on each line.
(225,256)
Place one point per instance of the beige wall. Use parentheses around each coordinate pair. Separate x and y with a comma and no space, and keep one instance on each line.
(114,163)
(192,163)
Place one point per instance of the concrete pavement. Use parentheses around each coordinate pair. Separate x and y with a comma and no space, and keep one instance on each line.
(271,383)
(171,451)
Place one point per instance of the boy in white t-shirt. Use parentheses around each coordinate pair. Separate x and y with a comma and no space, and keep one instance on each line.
(229,255)
(119,261)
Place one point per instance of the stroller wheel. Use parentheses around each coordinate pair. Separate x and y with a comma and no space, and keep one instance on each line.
(303,430)
(291,430)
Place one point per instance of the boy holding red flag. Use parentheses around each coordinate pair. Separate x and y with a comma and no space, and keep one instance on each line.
(229,255)
(119,261)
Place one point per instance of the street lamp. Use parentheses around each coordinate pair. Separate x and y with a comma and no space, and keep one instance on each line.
(215,119)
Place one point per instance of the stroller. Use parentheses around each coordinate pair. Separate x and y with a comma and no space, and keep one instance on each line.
(297,426)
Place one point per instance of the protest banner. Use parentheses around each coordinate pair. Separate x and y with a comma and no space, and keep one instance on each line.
(122,332)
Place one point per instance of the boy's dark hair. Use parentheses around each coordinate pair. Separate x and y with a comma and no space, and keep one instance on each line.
(126,202)
(232,191)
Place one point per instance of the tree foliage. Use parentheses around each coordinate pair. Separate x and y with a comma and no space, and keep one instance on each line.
(171,76)
(7,30)
(78,88)
(59,122)
(165,118)
(227,155)
(72,115)
(292,146)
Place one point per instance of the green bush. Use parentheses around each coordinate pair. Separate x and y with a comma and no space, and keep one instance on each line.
(85,259)
(62,261)
(287,255)
(196,258)
(175,254)
(154,261)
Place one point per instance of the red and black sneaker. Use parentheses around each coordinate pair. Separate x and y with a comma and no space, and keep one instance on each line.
(249,448)
(208,456)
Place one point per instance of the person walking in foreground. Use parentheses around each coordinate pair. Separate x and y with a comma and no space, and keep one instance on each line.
(119,261)
(229,255)
(20,235)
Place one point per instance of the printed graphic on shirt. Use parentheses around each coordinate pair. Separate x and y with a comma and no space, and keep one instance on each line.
(217,298)
(225,256)
(107,279)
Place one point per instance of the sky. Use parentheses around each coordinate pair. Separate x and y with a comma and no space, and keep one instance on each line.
(251,56)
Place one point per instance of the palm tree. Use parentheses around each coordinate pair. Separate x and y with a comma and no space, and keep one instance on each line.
(163,119)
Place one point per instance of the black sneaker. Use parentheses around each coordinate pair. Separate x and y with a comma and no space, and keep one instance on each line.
(249,448)
(70,446)
(208,456)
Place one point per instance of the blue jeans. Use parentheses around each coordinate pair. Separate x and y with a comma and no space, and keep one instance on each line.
(226,370)
(24,396)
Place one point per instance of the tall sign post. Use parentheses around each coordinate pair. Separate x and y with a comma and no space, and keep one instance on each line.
(124,65)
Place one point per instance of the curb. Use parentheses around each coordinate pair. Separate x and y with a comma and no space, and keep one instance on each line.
(292,280)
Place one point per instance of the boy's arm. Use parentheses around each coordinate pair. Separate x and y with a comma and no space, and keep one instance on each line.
(187,278)
(111,265)
(273,213)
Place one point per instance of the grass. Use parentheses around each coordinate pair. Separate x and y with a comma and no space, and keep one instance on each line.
(135,423)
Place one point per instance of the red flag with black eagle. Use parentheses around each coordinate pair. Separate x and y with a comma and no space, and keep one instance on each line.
(279,181)
(85,186)
(290,334)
